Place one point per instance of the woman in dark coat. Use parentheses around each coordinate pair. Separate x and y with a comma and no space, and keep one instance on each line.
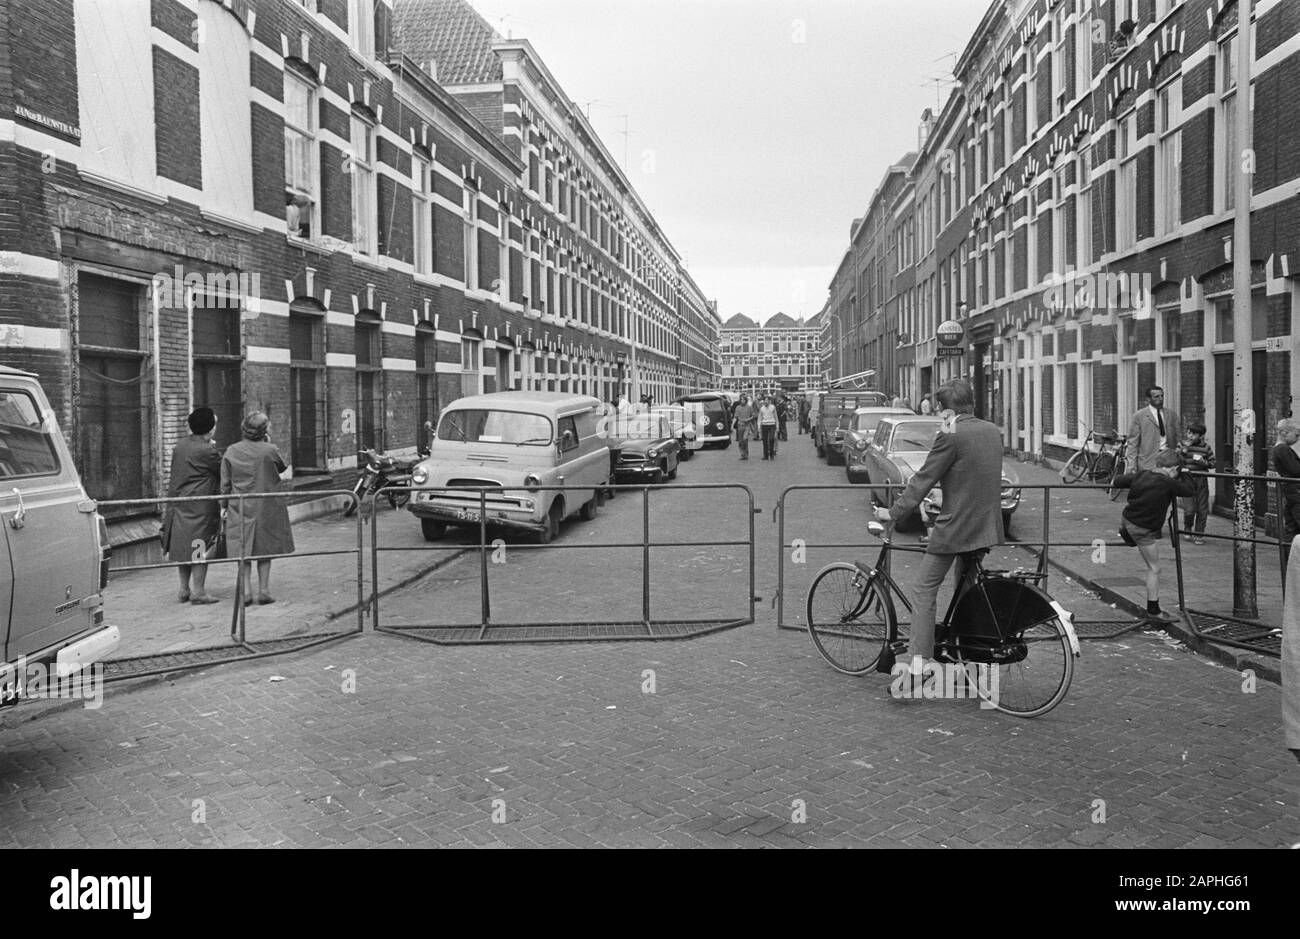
(190,529)
(260,526)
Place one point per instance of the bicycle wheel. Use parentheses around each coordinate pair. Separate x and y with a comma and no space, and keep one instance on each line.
(1075,468)
(1027,670)
(850,618)
(1120,470)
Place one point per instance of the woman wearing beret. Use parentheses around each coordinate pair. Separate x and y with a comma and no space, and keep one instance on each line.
(258,527)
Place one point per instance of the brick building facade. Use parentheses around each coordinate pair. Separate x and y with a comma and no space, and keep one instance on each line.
(268,204)
(780,355)
(1075,196)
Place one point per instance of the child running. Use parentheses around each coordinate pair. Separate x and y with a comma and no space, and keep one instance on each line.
(1151,494)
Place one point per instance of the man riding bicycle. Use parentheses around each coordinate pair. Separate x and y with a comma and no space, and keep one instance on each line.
(966,460)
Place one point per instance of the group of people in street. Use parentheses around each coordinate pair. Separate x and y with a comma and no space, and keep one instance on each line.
(206,528)
(765,422)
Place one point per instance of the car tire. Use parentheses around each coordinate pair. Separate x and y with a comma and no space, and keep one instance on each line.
(433,530)
(1006,524)
(673,473)
(553,519)
(590,508)
(687,454)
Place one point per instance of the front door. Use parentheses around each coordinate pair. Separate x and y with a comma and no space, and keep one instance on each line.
(1223,427)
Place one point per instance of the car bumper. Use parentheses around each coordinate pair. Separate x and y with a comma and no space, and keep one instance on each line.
(523,519)
(638,469)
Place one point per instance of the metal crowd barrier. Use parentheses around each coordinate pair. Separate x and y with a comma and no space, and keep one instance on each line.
(238,647)
(488,630)
(1235,631)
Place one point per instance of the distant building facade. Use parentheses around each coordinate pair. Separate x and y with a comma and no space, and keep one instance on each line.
(781,355)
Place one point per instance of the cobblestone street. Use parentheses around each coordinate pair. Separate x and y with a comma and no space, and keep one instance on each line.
(744,737)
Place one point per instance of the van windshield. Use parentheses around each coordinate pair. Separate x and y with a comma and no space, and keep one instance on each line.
(484,426)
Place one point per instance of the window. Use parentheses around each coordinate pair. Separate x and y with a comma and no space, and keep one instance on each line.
(1169,187)
(471,377)
(217,364)
(1058,58)
(1083,243)
(483,426)
(307,389)
(421,215)
(1126,190)
(361,26)
(568,433)
(471,240)
(114,410)
(1083,37)
(1031,92)
(1227,156)
(1060,221)
(26,445)
(426,377)
(370,388)
(365,217)
(300,177)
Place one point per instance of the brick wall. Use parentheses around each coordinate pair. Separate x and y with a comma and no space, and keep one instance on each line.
(176,119)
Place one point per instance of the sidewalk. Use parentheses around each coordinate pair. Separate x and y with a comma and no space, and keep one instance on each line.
(1080,515)
(313,594)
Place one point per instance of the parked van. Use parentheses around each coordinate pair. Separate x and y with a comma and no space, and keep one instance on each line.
(513,442)
(53,548)
(715,427)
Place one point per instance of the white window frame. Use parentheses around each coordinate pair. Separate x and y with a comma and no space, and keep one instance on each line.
(1058,58)
(1225,130)
(365,211)
(421,215)
(1169,106)
(469,209)
(1126,152)
(1059,216)
(308,133)
(1083,48)
(361,27)
(1083,212)
(471,365)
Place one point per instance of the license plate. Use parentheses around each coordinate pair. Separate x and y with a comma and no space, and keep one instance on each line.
(466,515)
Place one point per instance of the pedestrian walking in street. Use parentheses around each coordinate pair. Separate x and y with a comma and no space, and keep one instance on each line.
(803,415)
(966,461)
(767,427)
(1153,430)
(191,530)
(1198,456)
(258,527)
(1151,494)
(1286,460)
(744,421)
(782,415)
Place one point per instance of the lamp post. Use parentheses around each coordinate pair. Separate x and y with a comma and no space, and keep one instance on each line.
(620,359)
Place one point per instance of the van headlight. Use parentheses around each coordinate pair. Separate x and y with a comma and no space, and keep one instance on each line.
(532,482)
(420,475)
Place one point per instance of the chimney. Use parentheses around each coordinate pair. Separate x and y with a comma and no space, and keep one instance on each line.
(927,128)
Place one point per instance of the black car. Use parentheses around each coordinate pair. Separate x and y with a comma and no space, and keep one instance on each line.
(644,446)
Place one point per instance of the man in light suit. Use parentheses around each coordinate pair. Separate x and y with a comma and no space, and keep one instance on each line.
(966,460)
(1153,429)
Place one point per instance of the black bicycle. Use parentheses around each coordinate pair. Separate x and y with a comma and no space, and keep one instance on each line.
(1000,621)
(1100,459)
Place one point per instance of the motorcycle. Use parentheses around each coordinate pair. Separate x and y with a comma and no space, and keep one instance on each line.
(379,473)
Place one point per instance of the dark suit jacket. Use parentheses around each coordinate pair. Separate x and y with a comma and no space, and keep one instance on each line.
(968,464)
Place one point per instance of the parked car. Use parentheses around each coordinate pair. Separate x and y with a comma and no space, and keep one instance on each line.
(859,435)
(645,445)
(833,418)
(684,418)
(899,449)
(54,548)
(513,443)
(716,430)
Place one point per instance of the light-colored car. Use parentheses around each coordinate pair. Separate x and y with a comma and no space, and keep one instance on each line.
(54,548)
(684,418)
(899,449)
(859,435)
(513,443)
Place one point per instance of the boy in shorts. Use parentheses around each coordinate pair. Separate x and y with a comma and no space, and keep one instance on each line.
(1151,493)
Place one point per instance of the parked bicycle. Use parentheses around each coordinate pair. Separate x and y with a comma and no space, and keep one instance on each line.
(997,620)
(1101,459)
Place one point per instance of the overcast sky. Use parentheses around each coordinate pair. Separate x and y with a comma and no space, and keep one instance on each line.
(759,129)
